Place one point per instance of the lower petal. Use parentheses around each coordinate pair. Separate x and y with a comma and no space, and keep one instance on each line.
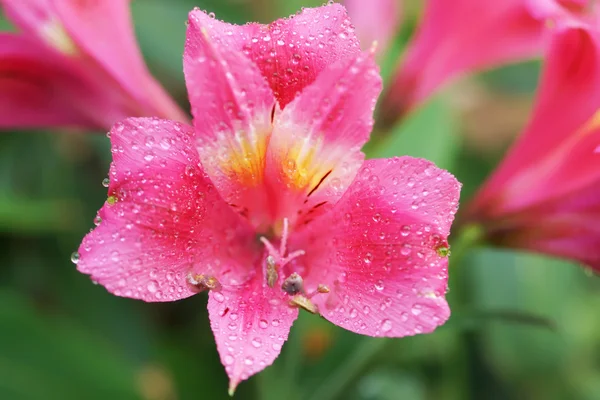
(250,323)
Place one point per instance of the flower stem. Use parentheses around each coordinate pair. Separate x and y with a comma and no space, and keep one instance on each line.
(334,385)
(468,237)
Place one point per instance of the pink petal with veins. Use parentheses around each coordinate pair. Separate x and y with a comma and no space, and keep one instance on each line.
(381,250)
(163,220)
(250,323)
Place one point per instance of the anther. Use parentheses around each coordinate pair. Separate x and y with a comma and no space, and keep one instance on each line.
(204,282)
(272,274)
(320,289)
(302,302)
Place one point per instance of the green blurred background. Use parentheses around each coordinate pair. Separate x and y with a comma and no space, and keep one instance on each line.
(523,326)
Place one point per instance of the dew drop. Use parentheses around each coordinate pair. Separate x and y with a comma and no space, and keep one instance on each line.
(263,323)
(256,342)
(105,182)
(386,325)
(152,286)
(75,257)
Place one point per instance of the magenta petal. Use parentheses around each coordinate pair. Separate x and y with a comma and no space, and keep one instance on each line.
(381,250)
(250,323)
(163,219)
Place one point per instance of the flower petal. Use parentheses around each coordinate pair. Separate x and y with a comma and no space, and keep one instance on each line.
(291,52)
(314,152)
(163,219)
(250,323)
(382,249)
(446,46)
(39,89)
(232,106)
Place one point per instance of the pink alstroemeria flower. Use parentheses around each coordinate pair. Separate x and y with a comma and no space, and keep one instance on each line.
(75,63)
(375,21)
(545,196)
(461,36)
(266,201)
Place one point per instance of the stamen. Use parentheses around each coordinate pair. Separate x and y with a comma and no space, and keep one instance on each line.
(320,289)
(284,237)
(277,259)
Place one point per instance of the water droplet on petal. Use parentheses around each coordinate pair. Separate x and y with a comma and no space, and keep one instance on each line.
(386,325)
(152,286)
(105,182)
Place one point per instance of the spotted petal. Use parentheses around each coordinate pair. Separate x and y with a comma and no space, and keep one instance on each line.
(163,220)
(314,152)
(291,52)
(382,249)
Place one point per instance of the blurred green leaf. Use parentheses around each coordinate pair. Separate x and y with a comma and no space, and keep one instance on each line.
(430,132)
(29,216)
(51,358)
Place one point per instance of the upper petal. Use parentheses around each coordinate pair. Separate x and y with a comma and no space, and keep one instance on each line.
(232,105)
(291,52)
(314,152)
(250,324)
(382,249)
(163,220)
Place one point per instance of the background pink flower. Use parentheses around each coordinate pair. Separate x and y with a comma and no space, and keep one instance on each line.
(267,202)
(457,37)
(75,63)
(543,197)
(375,21)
